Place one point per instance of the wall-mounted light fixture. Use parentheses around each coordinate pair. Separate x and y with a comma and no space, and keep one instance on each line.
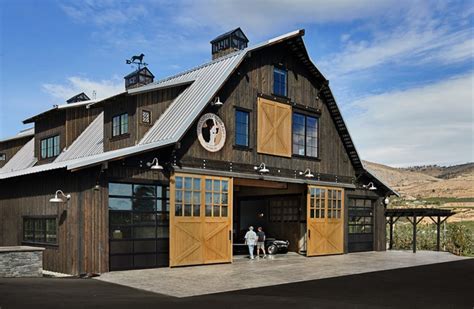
(370,186)
(261,168)
(217,102)
(386,201)
(154,165)
(58,199)
(307,173)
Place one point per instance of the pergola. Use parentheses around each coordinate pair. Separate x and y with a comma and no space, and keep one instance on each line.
(415,215)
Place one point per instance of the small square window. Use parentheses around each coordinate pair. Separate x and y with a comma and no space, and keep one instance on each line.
(146,117)
(3,157)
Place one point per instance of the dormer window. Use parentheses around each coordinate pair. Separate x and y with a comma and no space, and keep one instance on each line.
(50,147)
(120,124)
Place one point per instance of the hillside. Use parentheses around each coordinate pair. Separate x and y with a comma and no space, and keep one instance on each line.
(428,181)
(444,172)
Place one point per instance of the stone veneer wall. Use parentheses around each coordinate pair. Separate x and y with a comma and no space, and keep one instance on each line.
(21,261)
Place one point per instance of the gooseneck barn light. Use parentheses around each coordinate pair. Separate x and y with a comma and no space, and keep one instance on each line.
(370,186)
(58,199)
(217,102)
(154,165)
(307,173)
(261,168)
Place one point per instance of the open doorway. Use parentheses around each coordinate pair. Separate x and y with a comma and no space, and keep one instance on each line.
(279,208)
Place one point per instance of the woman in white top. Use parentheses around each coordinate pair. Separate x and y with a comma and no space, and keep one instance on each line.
(250,240)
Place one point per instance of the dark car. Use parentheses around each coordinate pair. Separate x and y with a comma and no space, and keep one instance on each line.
(274,246)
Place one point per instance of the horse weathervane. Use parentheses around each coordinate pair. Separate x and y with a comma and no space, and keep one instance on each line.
(137,60)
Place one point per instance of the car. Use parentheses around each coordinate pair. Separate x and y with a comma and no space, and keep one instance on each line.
(274,246)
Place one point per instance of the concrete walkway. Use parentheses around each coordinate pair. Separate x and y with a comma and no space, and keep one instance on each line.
(289,268)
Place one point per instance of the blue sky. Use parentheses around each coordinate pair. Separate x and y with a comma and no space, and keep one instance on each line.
(401,71)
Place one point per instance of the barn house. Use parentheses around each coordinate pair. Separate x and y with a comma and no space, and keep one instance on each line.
(172,172)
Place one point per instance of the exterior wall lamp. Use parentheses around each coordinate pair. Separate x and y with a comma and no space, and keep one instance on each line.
(386,201)
(307,173)
(261,168)
(58,199)
(370,186)
(154,165)
(217,102)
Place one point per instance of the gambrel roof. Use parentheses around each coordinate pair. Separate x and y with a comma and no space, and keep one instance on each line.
(203,83)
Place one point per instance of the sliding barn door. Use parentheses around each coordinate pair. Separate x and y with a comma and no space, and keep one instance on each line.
(200,220)
(273,128)
(325,221)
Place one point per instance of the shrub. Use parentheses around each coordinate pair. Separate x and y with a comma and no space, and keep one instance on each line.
(458,240)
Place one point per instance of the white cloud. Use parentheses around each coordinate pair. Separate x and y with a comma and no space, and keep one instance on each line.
(427,124)
(75,85)
(422,36)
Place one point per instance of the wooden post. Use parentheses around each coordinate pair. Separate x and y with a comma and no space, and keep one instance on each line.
(438,227)
(390,244)
(414,233)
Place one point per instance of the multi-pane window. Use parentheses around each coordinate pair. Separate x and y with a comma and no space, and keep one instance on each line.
(241,128)
(40,230)
(325,203)
(3,157)
(360,216)
(120,125)
(188,196)
(50,147)
(146,117)
(280,82)
(217,197)
(305,135)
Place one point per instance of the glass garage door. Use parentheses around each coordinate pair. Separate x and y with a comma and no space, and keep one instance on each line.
(361,219)
(138,226)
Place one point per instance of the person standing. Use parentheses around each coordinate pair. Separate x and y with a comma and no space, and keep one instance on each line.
(261,241)
(250,240)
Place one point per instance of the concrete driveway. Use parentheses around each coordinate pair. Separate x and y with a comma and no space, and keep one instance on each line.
(289,268)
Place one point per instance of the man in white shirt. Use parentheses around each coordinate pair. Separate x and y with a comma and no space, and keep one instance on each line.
(250,240)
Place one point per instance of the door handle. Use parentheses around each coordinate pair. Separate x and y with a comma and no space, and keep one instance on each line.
(309,233)
(230,235)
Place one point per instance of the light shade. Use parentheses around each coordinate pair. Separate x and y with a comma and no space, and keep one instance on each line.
(261,168)
(154,165)
(57,199)
(218,102)
(370,186)
(307,173)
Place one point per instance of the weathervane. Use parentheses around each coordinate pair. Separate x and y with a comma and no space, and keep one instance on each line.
(137,60)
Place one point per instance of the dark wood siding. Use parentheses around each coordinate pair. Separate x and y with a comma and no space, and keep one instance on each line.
(77,120)
(156,102)
(10,148)
(54,123)
(254,77)
(85,214)
(117,106)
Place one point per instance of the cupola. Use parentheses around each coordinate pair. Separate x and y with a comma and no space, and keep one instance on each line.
(228,42)
(138,78)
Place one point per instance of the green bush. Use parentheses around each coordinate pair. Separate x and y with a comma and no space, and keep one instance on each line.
(458,240)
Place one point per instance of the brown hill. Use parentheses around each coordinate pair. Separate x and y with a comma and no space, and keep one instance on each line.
(428,181)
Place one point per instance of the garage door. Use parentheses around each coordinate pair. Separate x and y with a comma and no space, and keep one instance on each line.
(200,220)
(325,221)
(138,226)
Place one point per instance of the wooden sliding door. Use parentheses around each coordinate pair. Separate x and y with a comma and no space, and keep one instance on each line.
(200,220)
(325,221)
